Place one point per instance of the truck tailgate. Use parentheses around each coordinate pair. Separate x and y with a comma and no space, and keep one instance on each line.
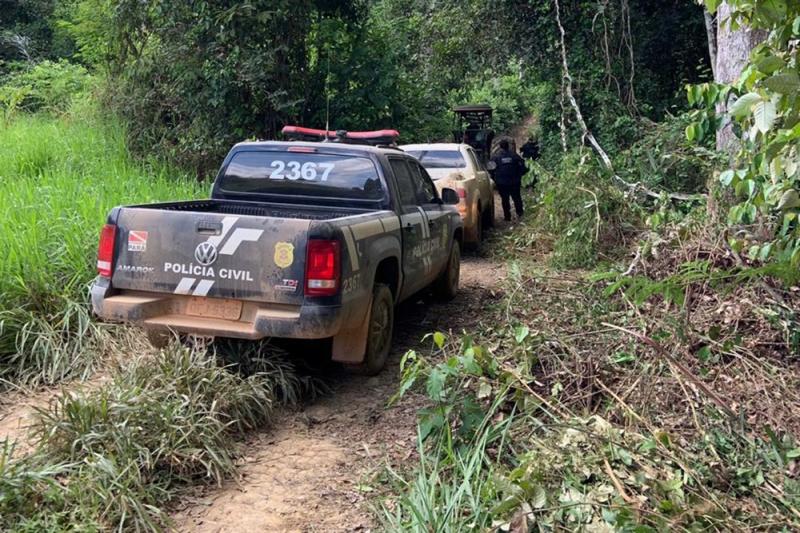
(253,258)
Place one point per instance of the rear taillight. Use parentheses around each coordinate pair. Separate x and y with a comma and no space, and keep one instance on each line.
(462,193)
(322,267)
(105,251)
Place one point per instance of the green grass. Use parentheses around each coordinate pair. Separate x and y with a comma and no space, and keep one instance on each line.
(112,458)
(58,179)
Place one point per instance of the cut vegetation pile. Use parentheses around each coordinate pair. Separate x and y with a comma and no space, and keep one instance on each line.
(113,457)
(58,179)
(661,399)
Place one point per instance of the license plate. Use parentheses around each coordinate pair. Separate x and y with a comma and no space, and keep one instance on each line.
(214,308)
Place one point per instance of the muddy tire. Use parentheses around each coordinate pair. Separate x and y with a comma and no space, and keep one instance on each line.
(379,333)
(480,230)
(446,286)
(488,214)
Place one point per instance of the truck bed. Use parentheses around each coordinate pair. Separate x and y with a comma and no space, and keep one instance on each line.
(257,209)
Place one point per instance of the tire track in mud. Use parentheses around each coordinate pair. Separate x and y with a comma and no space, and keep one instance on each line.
(315,470)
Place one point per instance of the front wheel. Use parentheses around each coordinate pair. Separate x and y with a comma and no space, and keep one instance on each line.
(447,284)
(379,332)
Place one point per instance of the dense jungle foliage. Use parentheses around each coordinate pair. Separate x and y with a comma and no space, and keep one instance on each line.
(191,79)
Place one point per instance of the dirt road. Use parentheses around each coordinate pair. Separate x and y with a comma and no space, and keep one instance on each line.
(317,470)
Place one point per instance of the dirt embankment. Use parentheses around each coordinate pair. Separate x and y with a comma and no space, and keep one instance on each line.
(317,470)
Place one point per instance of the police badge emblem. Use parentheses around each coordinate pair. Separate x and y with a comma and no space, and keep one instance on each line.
(284,254)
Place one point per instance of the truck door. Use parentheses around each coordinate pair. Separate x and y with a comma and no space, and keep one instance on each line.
(437,248)
(414,224)
(482,180)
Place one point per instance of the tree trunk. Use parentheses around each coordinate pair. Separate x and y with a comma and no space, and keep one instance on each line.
(733,52)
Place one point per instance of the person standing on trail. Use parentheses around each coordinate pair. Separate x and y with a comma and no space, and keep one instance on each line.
(530,150)
(507,174)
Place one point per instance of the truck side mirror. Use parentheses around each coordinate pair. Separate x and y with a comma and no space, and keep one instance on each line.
(449,196)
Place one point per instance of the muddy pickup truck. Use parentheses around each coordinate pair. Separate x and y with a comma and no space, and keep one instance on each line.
(300,240)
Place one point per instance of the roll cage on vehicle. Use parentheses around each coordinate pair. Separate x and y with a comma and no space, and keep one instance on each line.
(473,126)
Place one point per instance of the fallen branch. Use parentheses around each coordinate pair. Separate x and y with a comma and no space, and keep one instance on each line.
(589,136)
(685,371)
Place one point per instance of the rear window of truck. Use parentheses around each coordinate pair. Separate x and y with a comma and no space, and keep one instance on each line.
(305,174)
(439,158)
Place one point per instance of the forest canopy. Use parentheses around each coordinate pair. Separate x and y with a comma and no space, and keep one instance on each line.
(190,79)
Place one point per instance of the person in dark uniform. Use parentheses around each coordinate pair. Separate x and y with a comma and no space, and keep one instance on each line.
(530,150)
(508,171)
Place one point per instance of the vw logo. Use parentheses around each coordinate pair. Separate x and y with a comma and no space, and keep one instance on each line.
(205,253)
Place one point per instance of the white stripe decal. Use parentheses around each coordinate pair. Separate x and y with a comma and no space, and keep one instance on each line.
(227,224)
(184,286)
(203,287)
(238,236)
(367,229)
(391,223)
(351,248)
(426,231)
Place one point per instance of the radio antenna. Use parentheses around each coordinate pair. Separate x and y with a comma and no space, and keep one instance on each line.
(328,97)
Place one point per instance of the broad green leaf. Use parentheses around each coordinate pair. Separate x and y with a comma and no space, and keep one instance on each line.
(770,64)
(538,498)
(691,132)
(435,384)
(765,251)
(438,339)
(484,389)
(742,106)
(749,211)
(712,5)
(776,169)
(521,333)
(765,114)
(704,354)
(773,10)
(726,177)
(789,200)
(430,421)
(784,83)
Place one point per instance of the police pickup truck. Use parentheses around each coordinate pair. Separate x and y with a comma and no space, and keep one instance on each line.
(301,240)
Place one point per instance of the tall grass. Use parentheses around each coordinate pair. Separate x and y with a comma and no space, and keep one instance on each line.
(58,179)
(112,458)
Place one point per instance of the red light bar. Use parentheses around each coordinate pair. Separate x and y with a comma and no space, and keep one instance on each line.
(302,149)
(375,138)
(299,130)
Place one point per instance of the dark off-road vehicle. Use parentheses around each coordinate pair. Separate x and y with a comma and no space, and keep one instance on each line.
(302,240)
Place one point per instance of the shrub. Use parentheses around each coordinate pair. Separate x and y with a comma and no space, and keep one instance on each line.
(111,458)
(48,86)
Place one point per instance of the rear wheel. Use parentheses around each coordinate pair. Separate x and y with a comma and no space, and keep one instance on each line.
(379,332)
(447,285)
(479,230)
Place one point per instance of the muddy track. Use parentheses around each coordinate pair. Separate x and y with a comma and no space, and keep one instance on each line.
(317,470)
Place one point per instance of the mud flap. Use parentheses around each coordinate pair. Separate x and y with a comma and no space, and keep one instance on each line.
(350,345)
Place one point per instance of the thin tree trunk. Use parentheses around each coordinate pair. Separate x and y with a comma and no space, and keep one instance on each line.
(733,53)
